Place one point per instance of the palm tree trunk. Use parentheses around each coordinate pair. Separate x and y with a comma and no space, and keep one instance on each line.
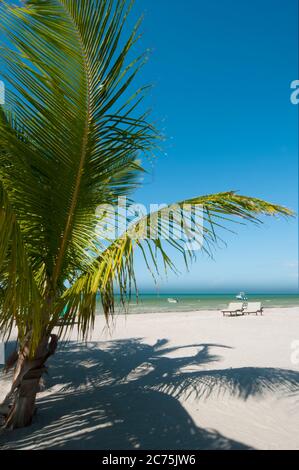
(19,405)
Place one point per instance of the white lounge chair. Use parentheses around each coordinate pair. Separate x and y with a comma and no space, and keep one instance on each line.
(234,309)
(253,307)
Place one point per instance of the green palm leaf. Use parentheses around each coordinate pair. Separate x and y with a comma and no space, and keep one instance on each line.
(86,146)
(20,299)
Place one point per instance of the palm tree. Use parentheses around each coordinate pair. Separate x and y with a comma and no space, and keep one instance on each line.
(71,139)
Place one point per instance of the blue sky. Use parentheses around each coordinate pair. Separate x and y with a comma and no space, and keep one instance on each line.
(222,71)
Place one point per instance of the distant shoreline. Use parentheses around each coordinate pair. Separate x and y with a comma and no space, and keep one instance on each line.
(211,310)
(153,303)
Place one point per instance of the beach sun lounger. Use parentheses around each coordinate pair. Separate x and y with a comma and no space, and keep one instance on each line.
(234,309)
(253,307)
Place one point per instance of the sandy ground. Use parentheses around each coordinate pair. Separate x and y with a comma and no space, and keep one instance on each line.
(172,381)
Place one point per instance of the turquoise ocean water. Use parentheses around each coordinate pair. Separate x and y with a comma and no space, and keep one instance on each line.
(158,303)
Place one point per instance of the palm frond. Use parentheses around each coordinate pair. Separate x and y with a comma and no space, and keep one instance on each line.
(115,266)
(67,72)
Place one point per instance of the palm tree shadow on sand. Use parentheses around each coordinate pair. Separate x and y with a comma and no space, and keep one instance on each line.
(126,397)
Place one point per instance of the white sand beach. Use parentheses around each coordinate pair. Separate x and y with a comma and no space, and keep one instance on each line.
(172,381)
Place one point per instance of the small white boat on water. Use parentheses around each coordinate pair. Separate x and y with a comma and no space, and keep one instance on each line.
(172,301)
(241,296)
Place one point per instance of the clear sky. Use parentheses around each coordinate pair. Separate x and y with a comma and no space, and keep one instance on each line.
(222,71)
